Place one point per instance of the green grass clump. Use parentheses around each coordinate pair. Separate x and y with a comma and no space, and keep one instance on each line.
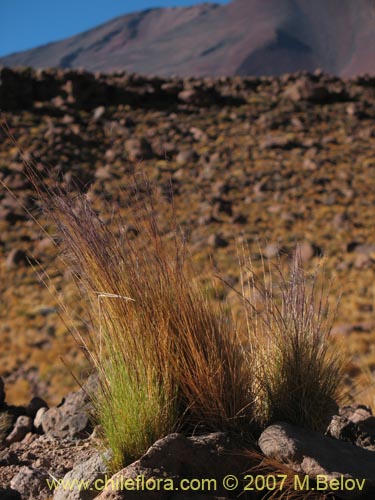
(298,374)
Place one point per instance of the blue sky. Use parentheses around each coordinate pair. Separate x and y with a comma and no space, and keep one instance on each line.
(28,23)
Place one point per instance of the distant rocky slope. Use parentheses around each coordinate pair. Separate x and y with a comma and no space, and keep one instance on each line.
(244,37)
(262,161)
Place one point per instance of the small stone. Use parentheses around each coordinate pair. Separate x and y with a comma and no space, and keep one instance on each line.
(29,482)
(22,426)
(8,457)
(98,113)
(88,472)
(217,241)
(186,156)
(138,149)
(39,418)
(307,251)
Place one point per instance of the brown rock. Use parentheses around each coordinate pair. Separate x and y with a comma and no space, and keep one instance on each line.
(138,149)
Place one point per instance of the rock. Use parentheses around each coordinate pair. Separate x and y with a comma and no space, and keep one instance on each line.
(278,142)
(39,418)
(305,89)
(60,423)
(186,156)
(16,88)
(354,424)
(71,418)
(239,219)
(8,457)
(15,258)
(217,241)
(348,328)
(222,206)
(199,96)
(307,251)
(138,149)
(98,113)
(103,173)
(178,457)
(30,483)
(363,261)
(272,250)
(341,221)
(367,249)
(311,453)
(22,426)
(93,469)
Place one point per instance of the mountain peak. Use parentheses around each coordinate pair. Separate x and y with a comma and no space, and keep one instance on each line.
(244,37)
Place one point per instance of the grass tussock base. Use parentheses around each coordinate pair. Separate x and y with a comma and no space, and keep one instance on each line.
(298,374)
(168,356)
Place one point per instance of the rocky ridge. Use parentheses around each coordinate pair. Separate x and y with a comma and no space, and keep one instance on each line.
(270,161)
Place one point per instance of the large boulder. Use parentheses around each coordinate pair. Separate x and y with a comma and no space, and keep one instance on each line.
(175,458)
(322,458)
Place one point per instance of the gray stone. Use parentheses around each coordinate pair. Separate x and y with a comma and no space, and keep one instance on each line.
(178,457)
(314,454)
(354,424)
(39,418)
(30,483)
(90,471)
(60,423)
(22,426)
(71,418)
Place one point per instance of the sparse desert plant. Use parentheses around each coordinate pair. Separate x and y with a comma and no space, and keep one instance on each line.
(167,356)
(297,373)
